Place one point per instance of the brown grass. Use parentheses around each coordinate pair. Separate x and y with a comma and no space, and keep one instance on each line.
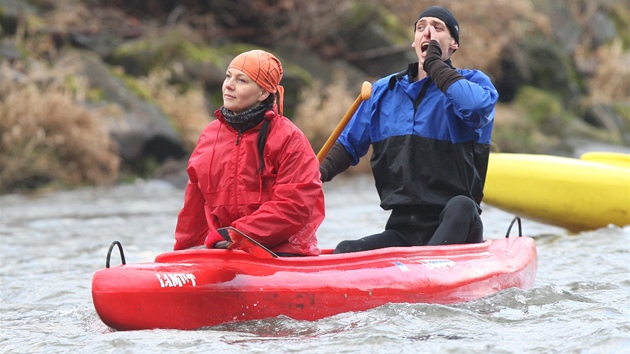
(486,26)
(321,109)
(188,109)
(611,80)
(46,136)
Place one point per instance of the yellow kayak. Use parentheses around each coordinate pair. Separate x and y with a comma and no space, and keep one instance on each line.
(575,194)
(610,158)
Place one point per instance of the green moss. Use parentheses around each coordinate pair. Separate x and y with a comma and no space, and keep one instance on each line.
(34,22)
(511,138)
(70,82)
(142,170)
(215,97)
(623,109)
(299,72)
(201,53)
(620,15)
(138,89)
(543,109)
(400,33)
(138,58)
(95,95)
(150,165)
(387,21)
(41,3)
(141,56)
(27,18)
(359,13)
(538,103)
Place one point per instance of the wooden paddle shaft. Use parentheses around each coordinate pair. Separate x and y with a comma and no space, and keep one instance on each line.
(366,91)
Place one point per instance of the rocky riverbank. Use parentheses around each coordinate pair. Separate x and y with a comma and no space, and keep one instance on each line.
(105,91)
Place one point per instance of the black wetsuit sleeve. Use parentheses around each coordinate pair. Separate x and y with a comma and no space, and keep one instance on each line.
(337,161)
(441,73)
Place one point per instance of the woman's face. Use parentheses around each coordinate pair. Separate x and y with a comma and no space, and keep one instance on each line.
(241,93)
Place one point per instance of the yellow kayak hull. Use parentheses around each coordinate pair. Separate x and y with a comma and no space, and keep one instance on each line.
(575,194)
(610,158)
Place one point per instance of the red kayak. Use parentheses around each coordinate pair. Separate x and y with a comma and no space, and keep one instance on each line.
(197,288)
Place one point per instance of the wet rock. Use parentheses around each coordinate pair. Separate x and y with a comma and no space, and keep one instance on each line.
(141,130)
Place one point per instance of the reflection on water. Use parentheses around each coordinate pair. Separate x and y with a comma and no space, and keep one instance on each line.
(52,244)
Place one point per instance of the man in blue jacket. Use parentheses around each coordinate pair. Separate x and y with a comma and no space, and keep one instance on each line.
(430,128)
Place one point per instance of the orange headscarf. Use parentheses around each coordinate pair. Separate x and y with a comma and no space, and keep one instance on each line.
(264,68)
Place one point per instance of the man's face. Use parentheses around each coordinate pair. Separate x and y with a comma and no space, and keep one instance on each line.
(428,28)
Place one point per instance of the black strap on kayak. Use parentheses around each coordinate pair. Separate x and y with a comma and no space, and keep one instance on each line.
(520,230)
(109,253)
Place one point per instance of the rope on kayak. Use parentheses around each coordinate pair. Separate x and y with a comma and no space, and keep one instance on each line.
(109,253)
(520,230)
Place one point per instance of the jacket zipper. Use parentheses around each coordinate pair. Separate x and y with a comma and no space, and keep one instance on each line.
(236,163)
(421,94)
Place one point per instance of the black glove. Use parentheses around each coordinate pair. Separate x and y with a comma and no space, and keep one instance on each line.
(442,74)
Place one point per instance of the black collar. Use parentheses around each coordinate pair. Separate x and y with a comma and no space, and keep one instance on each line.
(410,72)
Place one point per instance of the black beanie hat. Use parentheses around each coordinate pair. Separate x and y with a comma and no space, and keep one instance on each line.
(444,15)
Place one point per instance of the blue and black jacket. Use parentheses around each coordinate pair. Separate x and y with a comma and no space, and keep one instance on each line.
(428,145)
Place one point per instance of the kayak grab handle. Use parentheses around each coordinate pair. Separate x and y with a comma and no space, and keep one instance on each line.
(520,230)
(109,253)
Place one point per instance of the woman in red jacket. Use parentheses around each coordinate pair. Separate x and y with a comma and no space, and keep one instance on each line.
(252,169)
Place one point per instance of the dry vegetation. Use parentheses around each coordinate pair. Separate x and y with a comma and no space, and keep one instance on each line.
(188,109)
(320,109)
(486,26)
(487,29)
(47,136)
(611,79)
(330,104)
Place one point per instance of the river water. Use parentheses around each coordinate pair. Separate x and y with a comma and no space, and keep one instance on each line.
(51,245)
